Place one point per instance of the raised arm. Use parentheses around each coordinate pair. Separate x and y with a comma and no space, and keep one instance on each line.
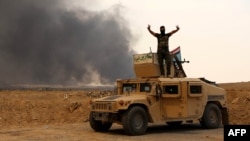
(150,31)
(174,31)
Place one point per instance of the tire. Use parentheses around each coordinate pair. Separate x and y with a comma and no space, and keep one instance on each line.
(98,125)
(212,117)
(135,121)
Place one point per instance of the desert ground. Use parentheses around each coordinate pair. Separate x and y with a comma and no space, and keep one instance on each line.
(62,114)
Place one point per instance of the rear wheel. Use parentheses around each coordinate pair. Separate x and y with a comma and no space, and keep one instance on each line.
(135,121)
(212,116)
(98,125)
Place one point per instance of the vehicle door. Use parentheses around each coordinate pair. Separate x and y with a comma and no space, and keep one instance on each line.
(173,101)
(196,100)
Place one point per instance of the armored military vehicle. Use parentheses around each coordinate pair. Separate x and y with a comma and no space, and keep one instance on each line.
(150,98)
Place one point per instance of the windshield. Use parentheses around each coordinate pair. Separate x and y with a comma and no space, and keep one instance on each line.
(136,87)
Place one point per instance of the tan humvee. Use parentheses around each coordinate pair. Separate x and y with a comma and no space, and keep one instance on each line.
(155,99)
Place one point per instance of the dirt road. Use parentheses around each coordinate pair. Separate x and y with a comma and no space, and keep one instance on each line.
(61,115)
(82,132)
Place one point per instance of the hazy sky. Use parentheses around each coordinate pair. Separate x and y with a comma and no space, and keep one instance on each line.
(213,35)
(79,42)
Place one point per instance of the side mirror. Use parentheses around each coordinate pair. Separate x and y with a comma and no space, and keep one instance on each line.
(158,91)
(115,90)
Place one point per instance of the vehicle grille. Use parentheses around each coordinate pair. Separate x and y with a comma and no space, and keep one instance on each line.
(102,106)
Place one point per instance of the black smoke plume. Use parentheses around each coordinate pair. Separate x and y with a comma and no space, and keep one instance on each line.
(43,42)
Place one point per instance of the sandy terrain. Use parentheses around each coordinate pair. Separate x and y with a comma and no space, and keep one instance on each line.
(62,115)
(238,96)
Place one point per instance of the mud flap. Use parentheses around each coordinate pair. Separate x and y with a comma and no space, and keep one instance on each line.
(225,117)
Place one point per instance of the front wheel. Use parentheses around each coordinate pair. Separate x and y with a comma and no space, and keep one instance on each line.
(98,125)
(135,121)
(212,117)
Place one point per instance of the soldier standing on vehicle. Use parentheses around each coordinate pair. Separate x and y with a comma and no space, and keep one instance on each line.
(163,48)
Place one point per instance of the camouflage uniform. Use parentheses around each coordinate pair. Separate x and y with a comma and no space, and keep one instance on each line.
(163,52)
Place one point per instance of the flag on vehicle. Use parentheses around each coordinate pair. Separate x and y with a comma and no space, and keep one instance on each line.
(176,52)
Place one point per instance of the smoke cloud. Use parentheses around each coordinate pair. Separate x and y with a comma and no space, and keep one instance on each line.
(43,42)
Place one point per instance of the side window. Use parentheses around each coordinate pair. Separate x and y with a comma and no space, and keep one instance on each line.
(195,89)
(145,87)
(171,89)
